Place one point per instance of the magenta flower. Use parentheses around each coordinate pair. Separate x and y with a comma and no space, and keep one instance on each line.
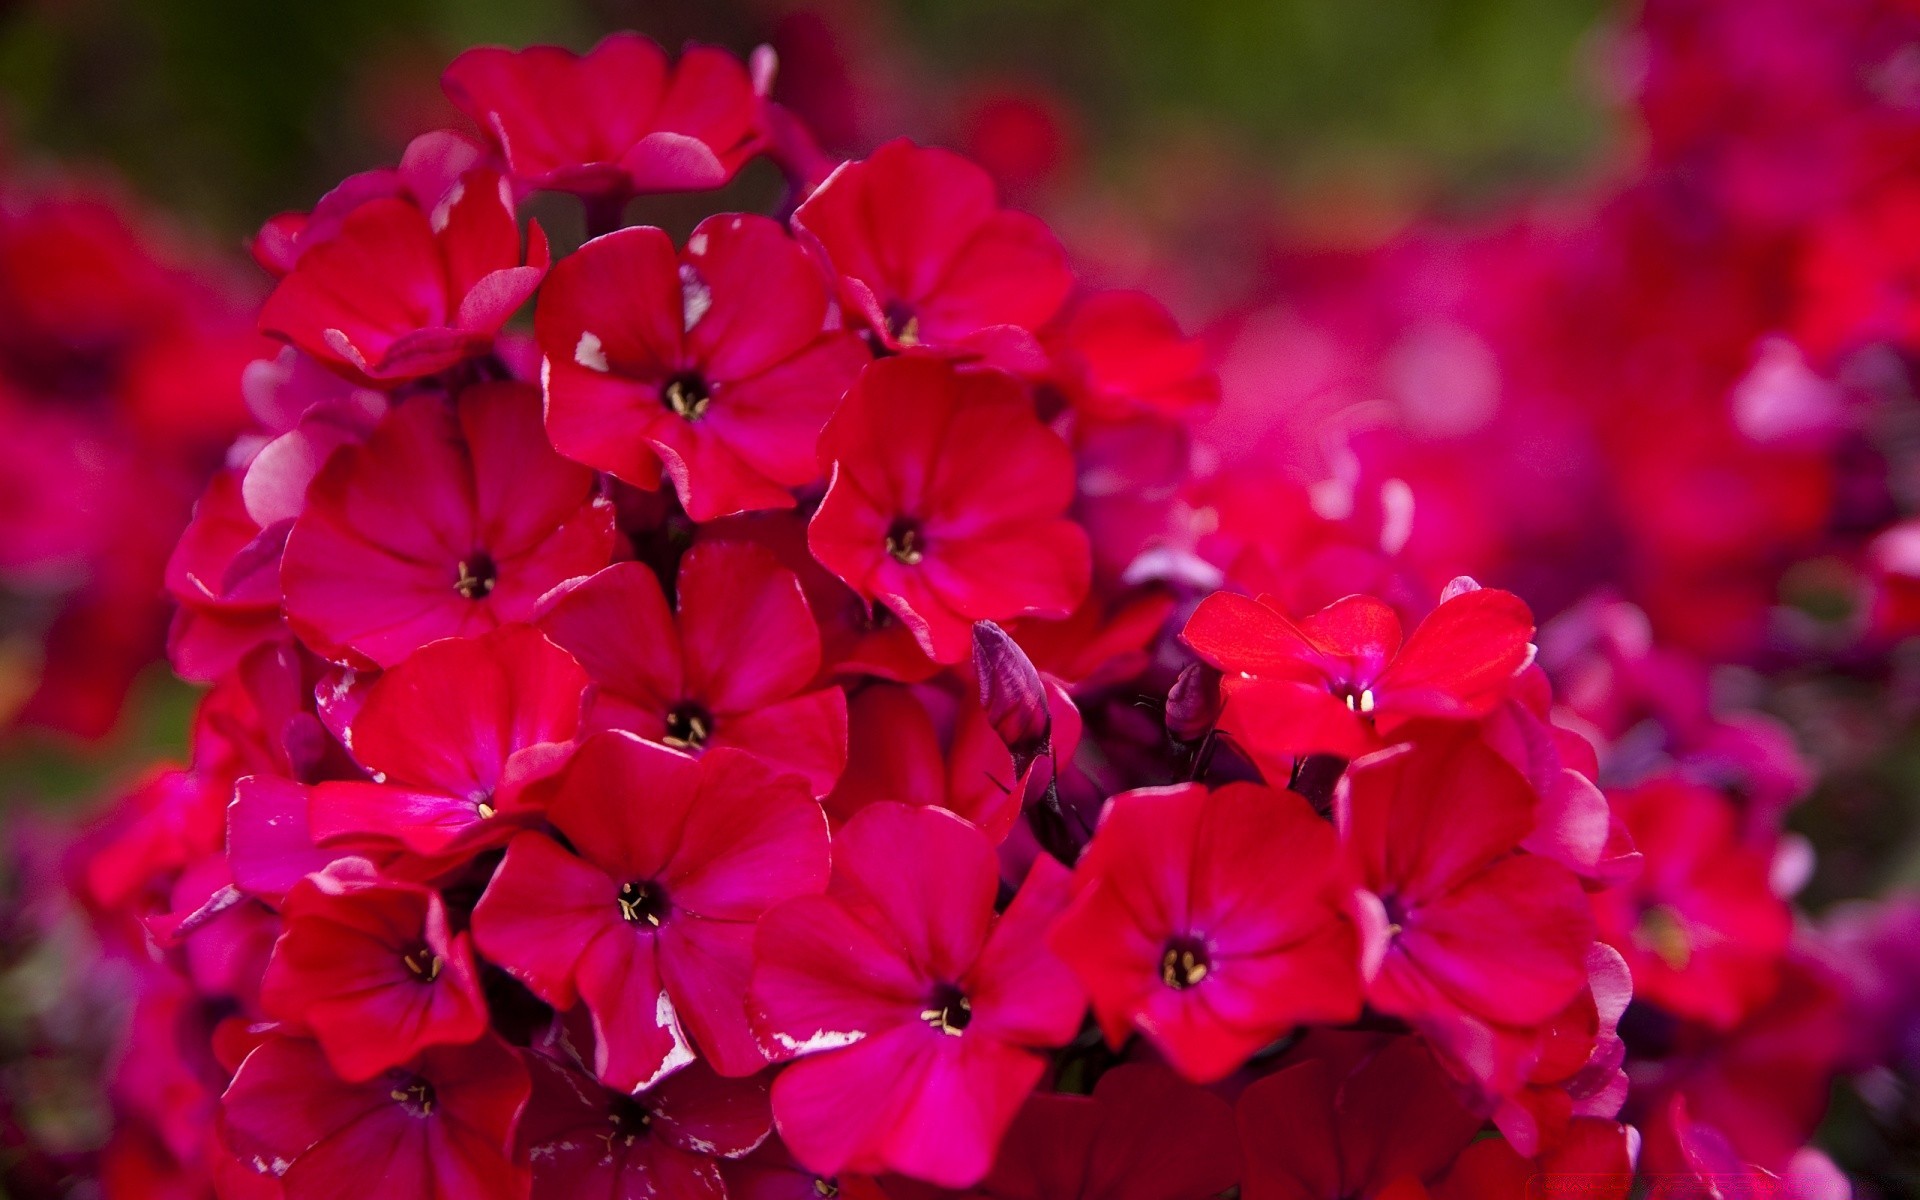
(441,1126)
(650,920)
(453,735)
(732,665)
(919,1020)
(925,256)
(1211,922)
(717,364)
(948,503)
(371,968)
(452,518)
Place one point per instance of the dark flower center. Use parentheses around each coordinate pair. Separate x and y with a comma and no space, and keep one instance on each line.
(905,542)
(1185,963)
(1397,911)
(948,1010)
(422,963)
(687,396)
(628,1121)
(478,574)
(1661,933)
(643,902)
(1357,699)
(411,1093)
(903,324)
(688,727)
(826,1189)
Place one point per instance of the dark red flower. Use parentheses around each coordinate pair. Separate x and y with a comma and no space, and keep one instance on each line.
(1121,354)
(441,1126)
(920,1020)
(1475,943)
(403,290)
(617,121)
(453,735)
(731,665)
(371,968)
(947,503)
(1700,925)
(586,1140)
(1211,922)
(925,256)
(1340,680)
(452,518)
(650,921)
(717,364)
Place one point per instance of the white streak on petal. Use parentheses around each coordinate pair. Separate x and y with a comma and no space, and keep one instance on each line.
(589,354)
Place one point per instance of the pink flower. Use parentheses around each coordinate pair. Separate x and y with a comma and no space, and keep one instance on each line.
(454,735)
(438,1127)
(371,968)
(733,666)
(585,1140)
(1341,680)
(920,1020)
(925,256)
(650,920)
(224,574)
(947,503)
(617,121)
(1211,922)
(1475,943)
(400,292)
(1121,354)
(453,518)
(718,363)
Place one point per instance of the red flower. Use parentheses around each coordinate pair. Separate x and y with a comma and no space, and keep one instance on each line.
(370,967)
(224,574)
(1351,1115)
(454,734)
(1211,922)
(926,257)
(1477,944)
(584,1140)
(439,1127)
(617,121)
(731,667)
(1340,680)
(920,1019)
(947,503)
(718,364)
(1144,1134)
(651,922)
(1700,925)
(400,292)
(453,518)
(1121,354)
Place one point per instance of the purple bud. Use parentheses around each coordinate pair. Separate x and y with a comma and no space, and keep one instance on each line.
(1012,694)
(1193,703)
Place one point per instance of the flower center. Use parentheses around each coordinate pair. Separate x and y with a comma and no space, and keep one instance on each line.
(1358,699)
(903,325)
(905,542)
(411,1093)
(628,1121)
(642,902)
(1185,963)
(423,964)
(826,1189)
(1397,913)
(688,727)
(948,1010)
(1662,934)
(687,396)
(478,574)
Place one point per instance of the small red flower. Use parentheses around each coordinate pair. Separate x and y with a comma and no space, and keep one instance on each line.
(732,665)
(1211,922)
(617,121)
(1700,925)
(650,920)
(919,1019)
(1341,680)
(1475,943)
(947,503)
(1121,354)
(718,363)
(452,519)
(438,1127)
(585,1140)
(925,256)
(371,968)
(399,292)
(454,735)
(224,574)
